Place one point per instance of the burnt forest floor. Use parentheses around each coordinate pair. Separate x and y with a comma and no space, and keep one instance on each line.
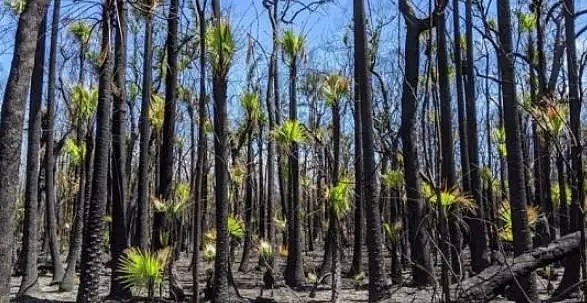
(249,284)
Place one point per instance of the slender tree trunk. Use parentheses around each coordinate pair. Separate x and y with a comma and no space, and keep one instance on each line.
(118,232)
(50,207)
(221,158)
(199,186)
(572,273)
(294,271)
(142,235)
(92,247)
(478,241)
(29,282)
(525,291)
(374,233)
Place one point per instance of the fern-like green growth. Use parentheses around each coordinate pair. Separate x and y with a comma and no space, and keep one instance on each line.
(142,269)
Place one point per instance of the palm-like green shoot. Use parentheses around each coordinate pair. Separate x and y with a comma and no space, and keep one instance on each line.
(393,179)
(334,88)
(147,7)
(236,228)
(293,46)
(505,218)
(526,22)
(84,102)
(251,103)
(551,118)
(182,192)
(499,138)
(76,151)
(393,230)
(339,196)
(141,270)
(448,198)
(156,111)
(556,191)
(171,209)
(82,31)
(221,47)
(265,253)
(16,6)
(289,132)
(209,253)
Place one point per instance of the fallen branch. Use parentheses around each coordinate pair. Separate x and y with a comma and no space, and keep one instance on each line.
(485,285)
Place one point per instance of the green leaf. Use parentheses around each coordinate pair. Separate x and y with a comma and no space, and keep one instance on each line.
(140,269)
(393,179)
(221,47)
(236,228)
(81,31)
(290,132)
(293,45)
(335,88)
(339,197)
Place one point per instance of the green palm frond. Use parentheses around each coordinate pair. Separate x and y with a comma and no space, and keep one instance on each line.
(209,253)
(293,45)
(393,230)
(280,224)
(448,198)
(505,218)
(236,227)
(289,132)
(335,88)
(210,236)
(16,6)
(76,151)
(157,111)
(221,47)
(265,253)
(142,269)
(82,31)
(251,103)
(393,179)
(556,191)
(526,22)
(339,197)
(84,101)
(182,192)
(551,118)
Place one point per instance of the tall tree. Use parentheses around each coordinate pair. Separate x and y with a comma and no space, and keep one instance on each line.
(198,186)
(50,195)
(142,227)
(118,232)
(377,288)
(419,239)
(293,47)
(92,246)
(525,288)
(30,245)
(572,273)
(11,122)
(478,242)
(221,45)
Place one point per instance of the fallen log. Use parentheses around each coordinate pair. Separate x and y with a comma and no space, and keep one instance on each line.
(485,285)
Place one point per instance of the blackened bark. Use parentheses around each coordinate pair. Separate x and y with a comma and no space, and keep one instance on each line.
(526,289)
(478,241)
(294,271)
(50,207)
(142,227)
(30,227)
(372,215)
(118,232)
(92,246)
